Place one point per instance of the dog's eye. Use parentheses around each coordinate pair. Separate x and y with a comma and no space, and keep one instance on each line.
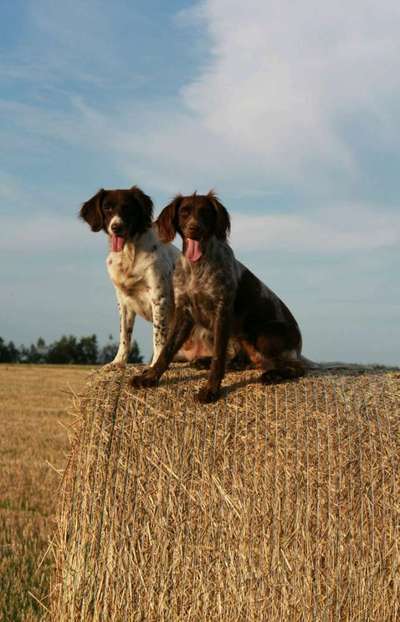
(107,208)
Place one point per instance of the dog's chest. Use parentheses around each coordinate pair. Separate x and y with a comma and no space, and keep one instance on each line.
(202,308)
(129,279)
(200,291)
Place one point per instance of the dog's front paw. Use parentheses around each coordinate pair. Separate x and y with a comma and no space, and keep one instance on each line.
(113,367)
(116,365)
(147,379)
(206,395)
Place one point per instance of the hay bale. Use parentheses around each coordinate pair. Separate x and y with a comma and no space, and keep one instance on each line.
(278,503)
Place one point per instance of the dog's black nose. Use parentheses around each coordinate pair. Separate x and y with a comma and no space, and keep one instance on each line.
(116,228)
(193,232)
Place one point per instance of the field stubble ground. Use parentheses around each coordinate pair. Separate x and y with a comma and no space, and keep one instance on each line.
(34,417)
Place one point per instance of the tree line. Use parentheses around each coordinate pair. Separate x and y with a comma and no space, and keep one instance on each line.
(69,350)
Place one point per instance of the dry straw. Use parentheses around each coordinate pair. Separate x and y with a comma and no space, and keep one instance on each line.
(278,503)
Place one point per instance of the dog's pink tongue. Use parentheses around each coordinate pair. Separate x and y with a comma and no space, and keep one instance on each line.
(193,250)
(117,243)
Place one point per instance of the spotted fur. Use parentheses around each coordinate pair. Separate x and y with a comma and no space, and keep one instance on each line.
(142,271)
(219,293)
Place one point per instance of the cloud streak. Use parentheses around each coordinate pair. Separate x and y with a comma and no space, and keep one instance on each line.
(339,229)
(284,79)
(270,106)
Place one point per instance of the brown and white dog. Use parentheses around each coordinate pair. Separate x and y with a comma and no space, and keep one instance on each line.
(214,290)
(140,267)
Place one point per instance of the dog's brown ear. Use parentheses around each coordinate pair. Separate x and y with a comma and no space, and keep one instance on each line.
(147,206)
(223,223)
(167,221)
(91,211)
(143,198)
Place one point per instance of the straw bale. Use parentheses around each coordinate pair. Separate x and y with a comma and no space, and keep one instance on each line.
(278,503)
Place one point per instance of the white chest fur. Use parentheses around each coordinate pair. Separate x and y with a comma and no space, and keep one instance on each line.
(130,282)
(136,272)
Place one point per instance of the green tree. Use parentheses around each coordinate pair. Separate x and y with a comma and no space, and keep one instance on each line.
(64,351)
(35,353)
(108,352)
(8,352)
(87,350)
(134,354)
(69,351)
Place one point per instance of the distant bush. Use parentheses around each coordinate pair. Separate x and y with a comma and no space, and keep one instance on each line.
(35,353)
(108,352)
(8,352)
(68,350)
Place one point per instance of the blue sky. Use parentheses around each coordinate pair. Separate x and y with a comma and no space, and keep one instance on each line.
(291,112)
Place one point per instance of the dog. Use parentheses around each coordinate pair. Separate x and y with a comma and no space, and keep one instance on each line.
(214,290)
(140,266)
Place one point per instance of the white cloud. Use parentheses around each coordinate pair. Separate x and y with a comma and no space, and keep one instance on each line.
(283,77)
(271,105)
(42,234)
(336,229)
(282,95)
(10,189)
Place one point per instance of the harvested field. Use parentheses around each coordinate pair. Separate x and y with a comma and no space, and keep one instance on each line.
(278,503)
(34,412)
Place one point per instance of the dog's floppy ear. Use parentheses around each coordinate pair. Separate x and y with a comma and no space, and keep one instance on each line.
(91,211)
(167,221)
(223,223)
(147,206)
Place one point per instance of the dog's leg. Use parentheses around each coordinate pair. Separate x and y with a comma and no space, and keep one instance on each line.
(282,356)
(181,326)
(127,320)
(272,351)
(282,369)
(162,311)
(222,329)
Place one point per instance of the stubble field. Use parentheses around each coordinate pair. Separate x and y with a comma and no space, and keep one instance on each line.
(34,421)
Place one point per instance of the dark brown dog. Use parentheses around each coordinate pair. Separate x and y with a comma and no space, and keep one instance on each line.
(216,291)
